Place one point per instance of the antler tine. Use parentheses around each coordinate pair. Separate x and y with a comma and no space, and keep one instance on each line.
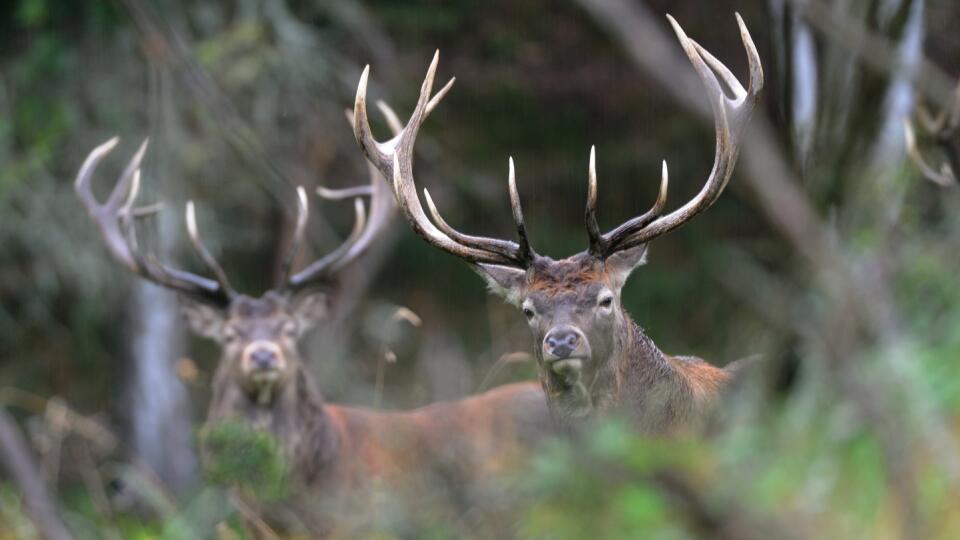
(131,170)
(526,252)
(394,159)
(379,153)
(596,241)
(366,228)
(101,213)
(393,121)
(128,227)
(382,209)
(147,261)
(203,252)
(297,239)
(503,247)
(941,129)
(609,240)
(943,177)
(323,268)
(367,190)
(345,193)
(492,251)
(116,218)
(730,117)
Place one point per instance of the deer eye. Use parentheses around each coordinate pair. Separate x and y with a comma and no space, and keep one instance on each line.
(606,301)
(528,313)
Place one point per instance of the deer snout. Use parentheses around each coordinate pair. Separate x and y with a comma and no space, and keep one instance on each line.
(564,342)
(263,355)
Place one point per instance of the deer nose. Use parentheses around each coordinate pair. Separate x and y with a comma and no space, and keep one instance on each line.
(263,358)
(561,342)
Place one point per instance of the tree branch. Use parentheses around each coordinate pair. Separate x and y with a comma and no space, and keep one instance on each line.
(23,469)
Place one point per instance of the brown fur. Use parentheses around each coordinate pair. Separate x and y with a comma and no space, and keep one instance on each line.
(342,456)
(622,369)
(661,393)
(555,277)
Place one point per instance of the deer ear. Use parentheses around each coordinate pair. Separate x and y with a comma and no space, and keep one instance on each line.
(203,319)
(309,309)
(503,281)
(622,263)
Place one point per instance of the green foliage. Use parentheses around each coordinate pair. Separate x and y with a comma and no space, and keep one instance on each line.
(603,487)
(199,518)
(238,455)
(13,522)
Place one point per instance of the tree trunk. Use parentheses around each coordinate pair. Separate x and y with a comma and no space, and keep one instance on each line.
(158,402)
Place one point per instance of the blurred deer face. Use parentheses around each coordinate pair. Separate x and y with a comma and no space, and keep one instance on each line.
(259,338)
(572,306)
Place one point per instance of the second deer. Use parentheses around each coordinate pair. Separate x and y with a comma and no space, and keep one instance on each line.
(335,452)
(593,357)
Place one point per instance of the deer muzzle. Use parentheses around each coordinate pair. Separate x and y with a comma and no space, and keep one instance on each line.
(565,347)
(261,356)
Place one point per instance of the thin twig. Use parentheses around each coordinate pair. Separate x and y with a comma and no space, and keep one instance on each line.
(26,474)
(251,516)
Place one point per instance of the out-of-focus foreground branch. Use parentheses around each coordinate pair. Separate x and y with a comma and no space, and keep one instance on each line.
(26,474)
(863,314)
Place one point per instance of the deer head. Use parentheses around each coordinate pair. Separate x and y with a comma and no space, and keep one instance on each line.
(258,335)
(572,305)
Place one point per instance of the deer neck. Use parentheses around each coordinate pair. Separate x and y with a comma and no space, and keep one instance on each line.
(632,355)
(634,378)
(659,391)
(296,416)
(598,388)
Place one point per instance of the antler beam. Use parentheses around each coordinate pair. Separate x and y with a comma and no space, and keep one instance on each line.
(366,228)
(394,159)
(730,115)
(116,220)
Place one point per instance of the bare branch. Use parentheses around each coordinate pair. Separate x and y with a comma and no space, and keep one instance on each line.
(26,474)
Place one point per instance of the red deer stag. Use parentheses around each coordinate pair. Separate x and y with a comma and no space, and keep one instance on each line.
(334,451)
(592,357)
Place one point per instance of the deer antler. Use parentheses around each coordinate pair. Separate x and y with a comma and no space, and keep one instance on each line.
(394,158)
(730,115)
(323,269)
(365,230)
(943,130)
(116,220)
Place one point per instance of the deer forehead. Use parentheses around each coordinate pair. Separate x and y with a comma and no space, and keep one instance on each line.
(268,305)
(581,275)
(258,317)
(572,283)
